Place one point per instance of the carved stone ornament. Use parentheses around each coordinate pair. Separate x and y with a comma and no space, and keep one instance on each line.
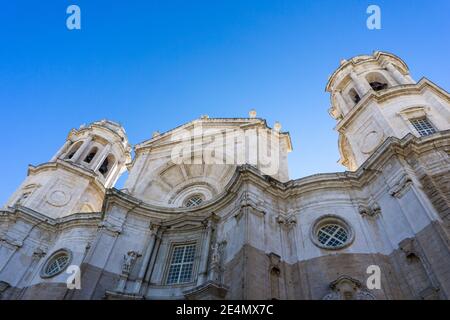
(128,261)
(401,187)
(108,226)
(39,253)
(286,221)
(347,288)
(247,201)
(12,242)
(59,198)
(215,267)
(215,254)
(372,212)
(274,267)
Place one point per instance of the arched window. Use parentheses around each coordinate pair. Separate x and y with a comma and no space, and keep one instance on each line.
(91,155)
(106,165)
(193,201)
(74,149)
(377,81)
(354,96)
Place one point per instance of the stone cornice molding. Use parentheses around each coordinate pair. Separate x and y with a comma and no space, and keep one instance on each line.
(160,141)
(401,187)
(244,174)
(11,242)
(287,222)
(210,289)
(71,167)
(51,224)
(110,228)
(380,96)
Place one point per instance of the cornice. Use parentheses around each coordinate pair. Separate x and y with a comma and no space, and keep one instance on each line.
(248,174)
(241,122)
(245,174)
(380,96)
(71,167)
(120,138)
(53,224)
(362,59)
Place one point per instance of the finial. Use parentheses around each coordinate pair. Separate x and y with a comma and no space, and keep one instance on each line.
(277,126)
(155,134)
(204,117)
(252,114)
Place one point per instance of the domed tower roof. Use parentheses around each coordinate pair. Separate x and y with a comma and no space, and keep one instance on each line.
(373,97)
(378,58)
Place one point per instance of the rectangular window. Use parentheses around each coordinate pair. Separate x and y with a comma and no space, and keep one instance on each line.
(423,126)
(181,264)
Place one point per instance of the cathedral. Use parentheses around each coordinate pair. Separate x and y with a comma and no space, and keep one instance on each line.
(208,210)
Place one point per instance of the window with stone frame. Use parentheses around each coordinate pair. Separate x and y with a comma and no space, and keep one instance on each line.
(423,126)
(56,264)
(332,232)
(332,235)
(193,201)
(181,264)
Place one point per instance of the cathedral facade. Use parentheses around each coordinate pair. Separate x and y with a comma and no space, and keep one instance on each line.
(208,210)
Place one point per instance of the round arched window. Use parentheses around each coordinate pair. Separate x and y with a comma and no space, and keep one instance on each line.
(56,264)
(193,201)
(331,232)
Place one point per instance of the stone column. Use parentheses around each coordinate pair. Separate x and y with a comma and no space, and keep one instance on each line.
(61,151)
(154,255)
(101,157)
(361,84)
(203,271)
(398,76)
(147,255)
(81,150)
(117,166)
(341,103)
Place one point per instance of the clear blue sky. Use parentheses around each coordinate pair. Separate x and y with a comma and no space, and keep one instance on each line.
(153,65)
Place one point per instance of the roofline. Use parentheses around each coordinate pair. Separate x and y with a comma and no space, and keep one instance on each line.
(374,57)
(254,120)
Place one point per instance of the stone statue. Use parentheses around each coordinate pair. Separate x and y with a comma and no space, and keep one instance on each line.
(128,261)
(215,254)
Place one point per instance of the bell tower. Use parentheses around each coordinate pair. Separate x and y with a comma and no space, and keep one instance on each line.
(373,97)
(75,179)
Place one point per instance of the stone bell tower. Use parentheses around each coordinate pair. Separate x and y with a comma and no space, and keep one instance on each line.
(373,97)
(74,180)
